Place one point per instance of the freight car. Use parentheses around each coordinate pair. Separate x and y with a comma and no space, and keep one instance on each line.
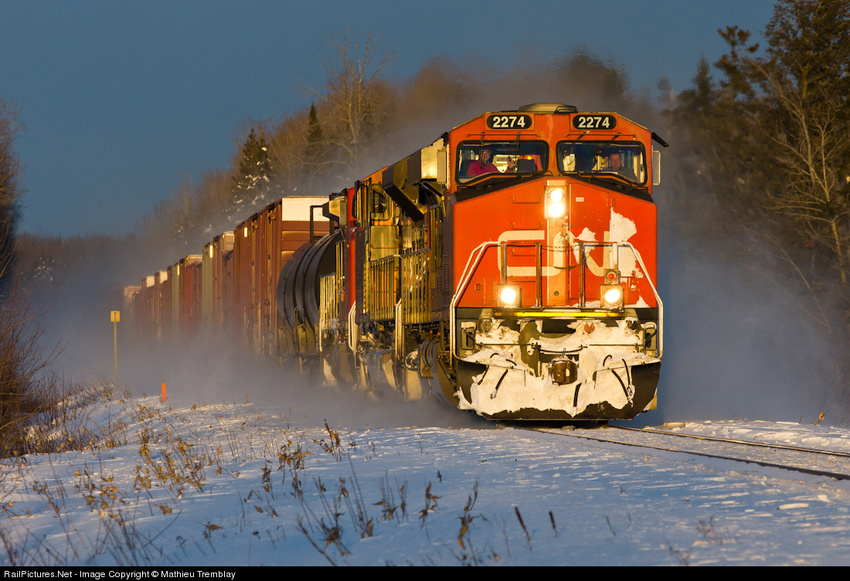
(508,268)
(230,287)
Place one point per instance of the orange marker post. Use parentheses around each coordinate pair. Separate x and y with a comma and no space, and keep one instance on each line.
(164,397)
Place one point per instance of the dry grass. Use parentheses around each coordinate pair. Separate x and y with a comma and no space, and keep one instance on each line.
(177,460)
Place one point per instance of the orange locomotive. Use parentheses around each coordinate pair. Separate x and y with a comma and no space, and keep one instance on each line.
(508,268)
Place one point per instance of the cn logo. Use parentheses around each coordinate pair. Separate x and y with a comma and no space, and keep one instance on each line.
(556,264)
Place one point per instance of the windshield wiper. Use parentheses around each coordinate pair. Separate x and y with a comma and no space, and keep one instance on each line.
(617,176)
(483,178)
(590,176)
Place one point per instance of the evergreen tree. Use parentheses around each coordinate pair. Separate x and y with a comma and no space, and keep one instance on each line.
(254,166)
(769,140)
(316,157)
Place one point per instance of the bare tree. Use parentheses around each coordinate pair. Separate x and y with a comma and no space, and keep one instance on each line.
(349,101)
(810,152)
(287,154)
(11,172)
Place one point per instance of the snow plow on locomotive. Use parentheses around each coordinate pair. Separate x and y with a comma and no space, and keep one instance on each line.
(507,268)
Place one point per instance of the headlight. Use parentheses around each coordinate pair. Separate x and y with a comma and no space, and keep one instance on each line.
(611,296)
(556,202)
(509,295)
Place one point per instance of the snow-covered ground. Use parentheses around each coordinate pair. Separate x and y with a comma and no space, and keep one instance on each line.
(186,483)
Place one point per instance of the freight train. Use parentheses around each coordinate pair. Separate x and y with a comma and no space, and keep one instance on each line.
(508,268)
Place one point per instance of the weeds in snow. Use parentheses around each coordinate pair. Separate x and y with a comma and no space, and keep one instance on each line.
(522,524)
(99,509)
(709,532)
(683,557)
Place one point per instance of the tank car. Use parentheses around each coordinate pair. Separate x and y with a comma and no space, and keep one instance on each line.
(507,268)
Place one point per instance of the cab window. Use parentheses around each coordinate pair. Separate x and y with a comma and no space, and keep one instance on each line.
(478,159)
(626,160)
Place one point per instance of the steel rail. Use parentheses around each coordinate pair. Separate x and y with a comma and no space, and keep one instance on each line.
(736,441)
(589,435)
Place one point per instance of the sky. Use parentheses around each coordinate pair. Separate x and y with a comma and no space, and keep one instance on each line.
(121,101)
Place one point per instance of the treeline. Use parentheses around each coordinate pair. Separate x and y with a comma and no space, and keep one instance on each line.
(23,359)
(762,151)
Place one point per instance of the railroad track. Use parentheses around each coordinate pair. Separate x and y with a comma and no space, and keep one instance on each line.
(824,463)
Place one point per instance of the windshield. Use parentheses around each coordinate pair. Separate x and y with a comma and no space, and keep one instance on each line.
(480,158)
(626,160)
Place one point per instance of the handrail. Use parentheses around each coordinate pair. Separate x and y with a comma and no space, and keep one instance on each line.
(477,255)
(409,285)
(464,280)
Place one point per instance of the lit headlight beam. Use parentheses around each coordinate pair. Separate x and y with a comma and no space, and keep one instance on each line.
(556,202)
(611,296)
